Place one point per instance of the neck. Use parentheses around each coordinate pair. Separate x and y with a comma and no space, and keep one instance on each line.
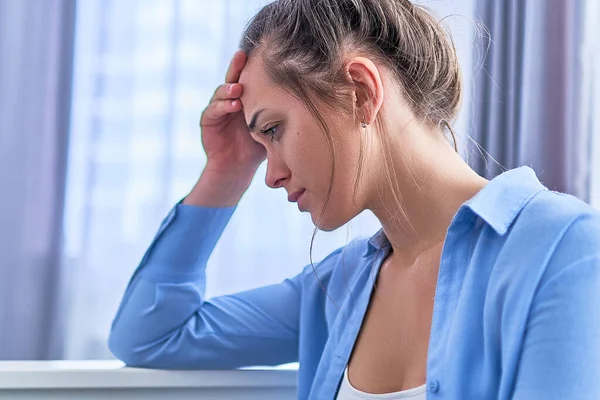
(433,182)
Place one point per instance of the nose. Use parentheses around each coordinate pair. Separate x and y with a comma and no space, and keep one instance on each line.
(277,173)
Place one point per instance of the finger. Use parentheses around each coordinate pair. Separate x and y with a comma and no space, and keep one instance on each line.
(226,91)
(219,109)
(235,67)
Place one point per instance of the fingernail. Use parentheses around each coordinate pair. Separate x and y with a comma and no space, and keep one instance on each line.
(231,87)
(234,103)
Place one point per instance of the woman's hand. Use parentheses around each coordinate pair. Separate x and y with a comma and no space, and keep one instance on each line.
(225,136)
(232,155)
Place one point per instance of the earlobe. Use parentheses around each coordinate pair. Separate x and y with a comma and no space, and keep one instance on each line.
(368,85)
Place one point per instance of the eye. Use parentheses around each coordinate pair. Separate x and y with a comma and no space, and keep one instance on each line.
(271,132)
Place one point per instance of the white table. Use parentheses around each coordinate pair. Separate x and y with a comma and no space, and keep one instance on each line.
(111,380)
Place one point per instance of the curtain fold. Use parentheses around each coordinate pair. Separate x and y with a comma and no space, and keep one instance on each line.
(529,99)
(36,52)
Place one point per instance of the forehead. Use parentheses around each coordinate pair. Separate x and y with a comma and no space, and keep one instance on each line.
(253,73)
(259,91)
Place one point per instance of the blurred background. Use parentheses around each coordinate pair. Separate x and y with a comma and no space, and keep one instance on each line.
(99,108)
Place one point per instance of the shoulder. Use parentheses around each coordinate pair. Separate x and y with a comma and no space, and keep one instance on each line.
(551,232)
(562,234)
(573,226)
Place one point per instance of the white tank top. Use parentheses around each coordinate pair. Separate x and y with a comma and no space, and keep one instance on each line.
(347,392)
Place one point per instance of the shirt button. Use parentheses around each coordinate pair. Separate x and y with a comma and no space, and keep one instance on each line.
(434,386)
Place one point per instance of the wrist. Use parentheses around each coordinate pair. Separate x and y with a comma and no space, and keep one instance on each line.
(228,171)
(220,188)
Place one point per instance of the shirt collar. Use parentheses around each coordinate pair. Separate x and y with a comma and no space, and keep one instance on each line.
(498,203)
(377,242)
(502,199)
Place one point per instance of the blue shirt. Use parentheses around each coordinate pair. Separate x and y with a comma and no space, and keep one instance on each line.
(516,312)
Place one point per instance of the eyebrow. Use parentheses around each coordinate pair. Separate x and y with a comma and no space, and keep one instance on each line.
(252,124)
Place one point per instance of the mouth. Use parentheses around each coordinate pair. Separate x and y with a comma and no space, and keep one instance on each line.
(301,205)
(293,197)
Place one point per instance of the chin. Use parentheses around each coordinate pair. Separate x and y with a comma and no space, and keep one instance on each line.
(330,221)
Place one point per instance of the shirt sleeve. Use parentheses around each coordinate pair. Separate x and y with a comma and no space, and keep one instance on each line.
(561,350)
(165,322)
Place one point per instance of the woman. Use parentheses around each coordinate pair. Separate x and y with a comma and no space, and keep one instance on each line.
(472,289)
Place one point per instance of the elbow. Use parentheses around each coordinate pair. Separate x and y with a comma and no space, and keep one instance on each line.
(135,353)
(124,348)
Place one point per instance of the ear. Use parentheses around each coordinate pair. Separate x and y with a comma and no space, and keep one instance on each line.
(368,88)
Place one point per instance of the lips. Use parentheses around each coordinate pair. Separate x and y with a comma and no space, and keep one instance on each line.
(293,197)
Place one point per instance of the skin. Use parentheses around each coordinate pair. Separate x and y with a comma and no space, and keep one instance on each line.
(390,353)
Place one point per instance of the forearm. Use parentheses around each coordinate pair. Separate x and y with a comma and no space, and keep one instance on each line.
(168,285)
(219,188)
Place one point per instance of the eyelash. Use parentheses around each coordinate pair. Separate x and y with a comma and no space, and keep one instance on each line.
(270,132)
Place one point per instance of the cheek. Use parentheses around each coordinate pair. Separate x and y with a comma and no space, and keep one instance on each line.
(309,159)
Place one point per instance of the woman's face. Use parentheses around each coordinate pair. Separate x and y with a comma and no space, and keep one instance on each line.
(299,158)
